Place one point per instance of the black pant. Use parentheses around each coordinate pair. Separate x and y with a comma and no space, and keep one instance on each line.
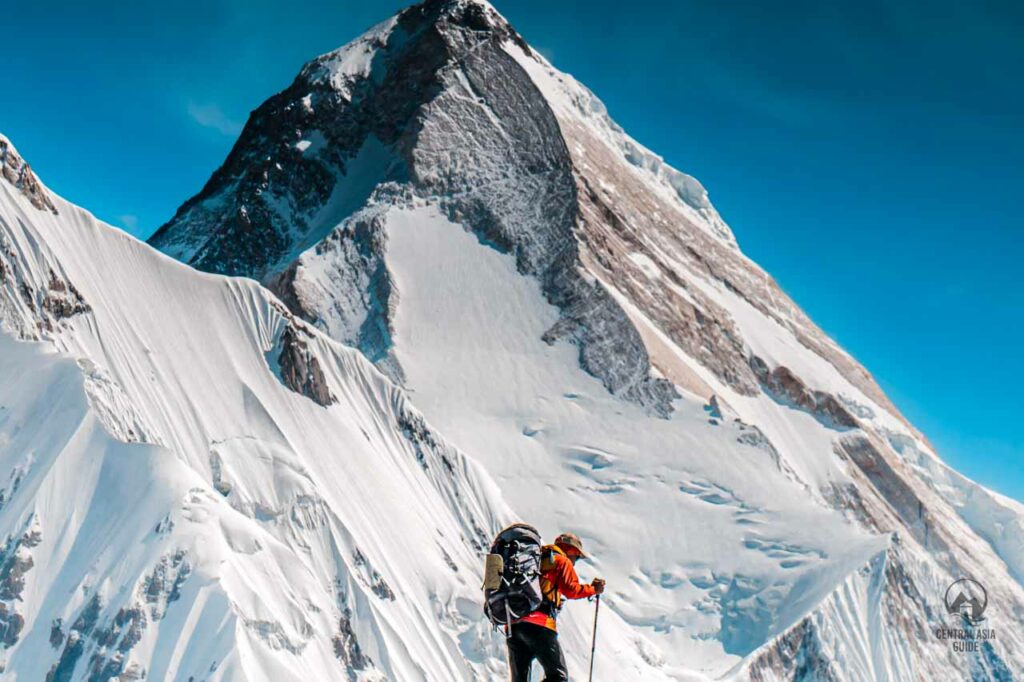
(529,641)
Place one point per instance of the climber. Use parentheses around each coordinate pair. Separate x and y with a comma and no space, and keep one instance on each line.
(535,635)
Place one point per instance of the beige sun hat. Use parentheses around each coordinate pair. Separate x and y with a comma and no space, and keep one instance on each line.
(571,540)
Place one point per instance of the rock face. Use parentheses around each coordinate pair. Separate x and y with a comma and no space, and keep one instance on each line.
(16,171)
(300,369)
(783,385)
(433,101)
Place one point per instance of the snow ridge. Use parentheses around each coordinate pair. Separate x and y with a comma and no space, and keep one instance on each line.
(256,544)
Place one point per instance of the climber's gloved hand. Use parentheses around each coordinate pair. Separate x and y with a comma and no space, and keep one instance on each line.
(598,585)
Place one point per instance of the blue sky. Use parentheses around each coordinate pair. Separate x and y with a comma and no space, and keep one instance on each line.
(870,155)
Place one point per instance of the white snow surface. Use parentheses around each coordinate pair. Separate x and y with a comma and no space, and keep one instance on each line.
(150,436)
(352,61)
(669,508)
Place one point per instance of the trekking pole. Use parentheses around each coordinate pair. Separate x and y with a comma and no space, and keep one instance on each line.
(593,644)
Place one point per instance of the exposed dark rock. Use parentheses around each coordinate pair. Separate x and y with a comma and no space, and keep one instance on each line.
(62,299)
(300,368)
(797,655)
(15,562)
(115,641)
(713,408)
(847,499)
(64,669)
(12,574)
(56,633)
(357,285)
(165,526)
(908,610)
(448,560)
(893,488)
(753,436)
(216,471)
(347,649)
(28,296)
(379,586)
(163,585)
(112,643)
(11,625)
(609,239)
(784,386)
(270,200)
(424,441)
(125,631)
(16,171)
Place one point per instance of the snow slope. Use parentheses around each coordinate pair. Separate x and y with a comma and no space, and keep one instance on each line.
(702,553)
(174,509)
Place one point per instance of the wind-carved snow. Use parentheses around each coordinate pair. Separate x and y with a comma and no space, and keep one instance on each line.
(224,526)
(691,540)
(351,62)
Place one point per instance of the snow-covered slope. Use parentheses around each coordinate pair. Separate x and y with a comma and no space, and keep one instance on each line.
(196,485)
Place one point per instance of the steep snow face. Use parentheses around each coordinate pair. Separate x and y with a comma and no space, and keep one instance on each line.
(703,554)
(575,314)
(716,526)
(196,485)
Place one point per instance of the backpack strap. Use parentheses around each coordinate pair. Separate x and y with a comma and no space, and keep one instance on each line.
(549,588)
(547,557)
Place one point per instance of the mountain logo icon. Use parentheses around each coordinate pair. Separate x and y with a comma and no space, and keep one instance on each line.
(968,599)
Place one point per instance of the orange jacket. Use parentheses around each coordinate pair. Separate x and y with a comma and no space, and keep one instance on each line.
(557,579)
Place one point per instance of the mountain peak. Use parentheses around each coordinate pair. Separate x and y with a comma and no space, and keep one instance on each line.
(356,60)
(445,103)
(477,14)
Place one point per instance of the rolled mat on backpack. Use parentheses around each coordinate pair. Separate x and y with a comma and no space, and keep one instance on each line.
(494,564)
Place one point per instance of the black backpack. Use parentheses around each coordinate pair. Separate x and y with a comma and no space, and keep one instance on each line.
(512,575)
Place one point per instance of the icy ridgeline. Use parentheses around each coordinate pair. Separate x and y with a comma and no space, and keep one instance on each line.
(437,195)
(198,486)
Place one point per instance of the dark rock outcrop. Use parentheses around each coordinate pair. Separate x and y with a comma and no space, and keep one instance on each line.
(62,300)
(347,648)
(110,640)
(893,488)
(786,387)
(797,655)
(15,562)
(300,368)
(16,171)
